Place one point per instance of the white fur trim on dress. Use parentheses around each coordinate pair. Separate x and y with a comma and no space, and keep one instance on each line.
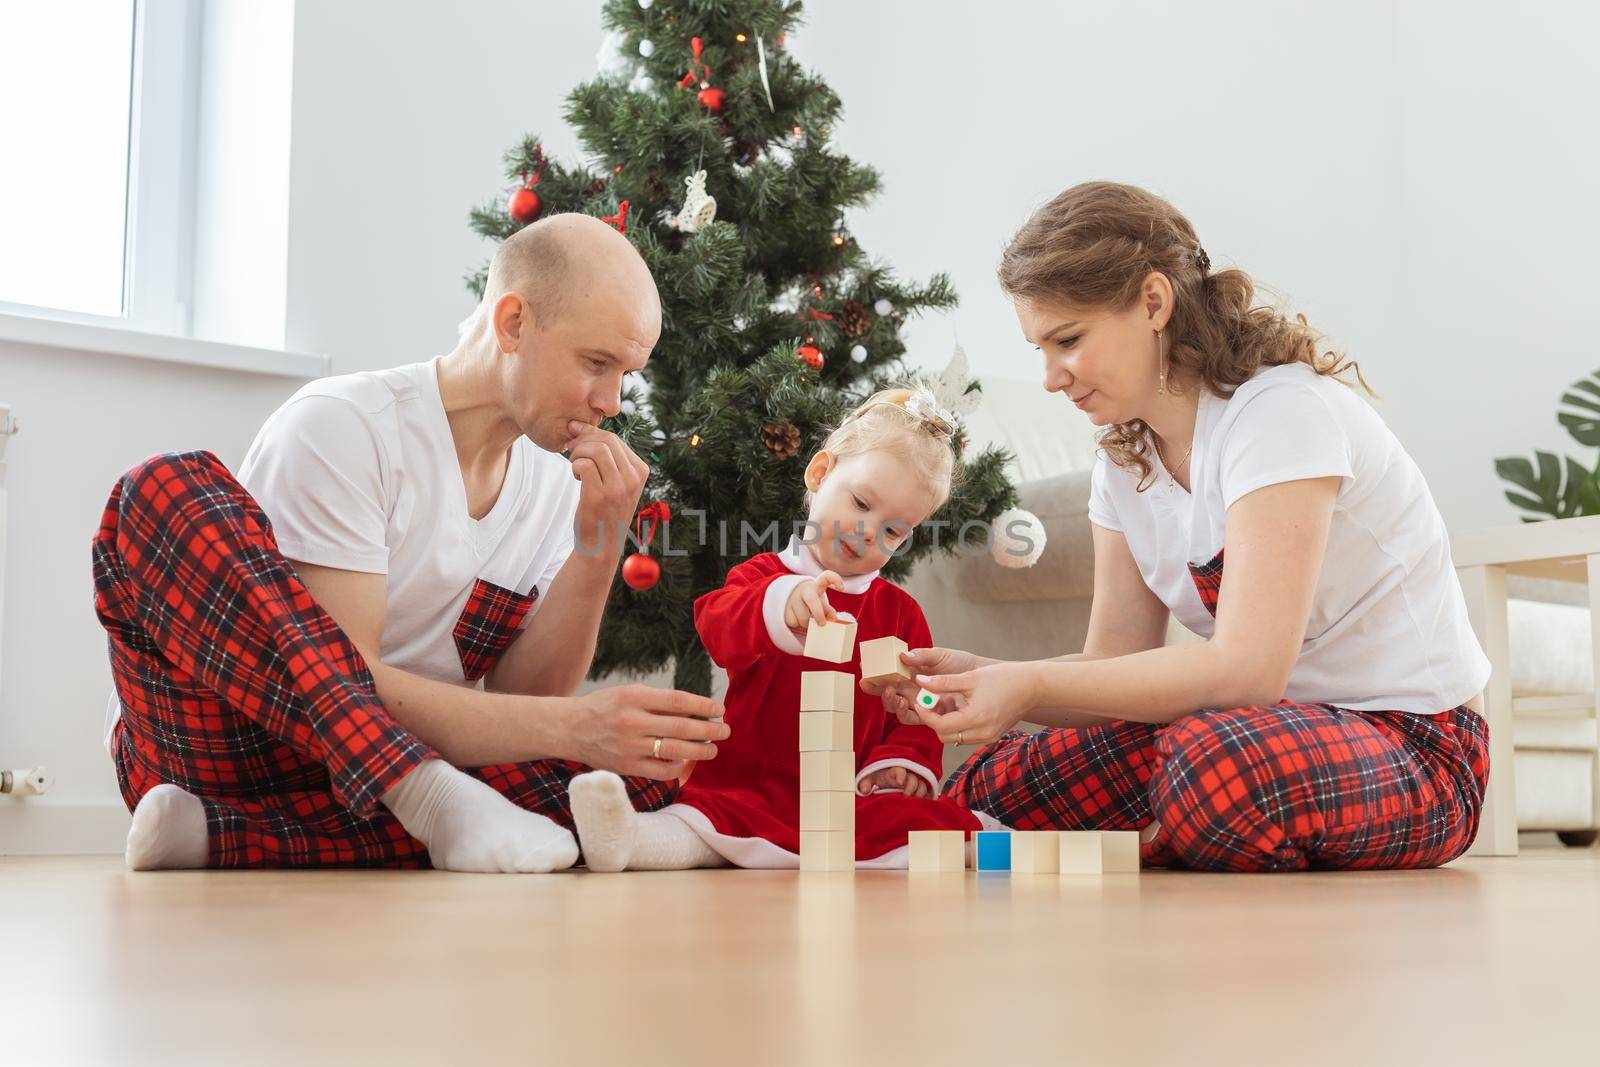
(772,612)
(800,559)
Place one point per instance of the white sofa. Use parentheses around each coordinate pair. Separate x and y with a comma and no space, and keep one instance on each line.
(973,603)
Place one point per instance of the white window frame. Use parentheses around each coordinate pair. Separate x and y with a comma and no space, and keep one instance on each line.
(158,245)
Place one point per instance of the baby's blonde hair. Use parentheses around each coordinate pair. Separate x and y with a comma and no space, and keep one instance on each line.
(884,424)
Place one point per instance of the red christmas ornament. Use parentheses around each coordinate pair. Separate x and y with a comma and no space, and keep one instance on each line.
(640,571)
(525,205)
(711,98)
(811,354)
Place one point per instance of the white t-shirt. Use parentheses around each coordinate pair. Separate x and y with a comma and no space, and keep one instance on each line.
(1388,629)
(359,472)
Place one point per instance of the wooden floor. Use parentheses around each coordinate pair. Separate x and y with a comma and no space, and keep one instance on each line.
(1484,961)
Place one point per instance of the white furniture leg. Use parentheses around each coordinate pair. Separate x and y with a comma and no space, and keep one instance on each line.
(1594,638)
(1485,591)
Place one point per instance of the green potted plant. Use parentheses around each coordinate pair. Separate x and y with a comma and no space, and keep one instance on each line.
(1560,487)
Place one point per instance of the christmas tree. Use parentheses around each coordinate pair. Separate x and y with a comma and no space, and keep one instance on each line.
(709,148)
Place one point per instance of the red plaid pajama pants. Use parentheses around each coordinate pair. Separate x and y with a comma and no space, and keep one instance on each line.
(237,687)
(1283,788)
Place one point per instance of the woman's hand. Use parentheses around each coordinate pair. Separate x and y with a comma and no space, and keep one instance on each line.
(909,783)
(898,696)
(809,600)
(989,701)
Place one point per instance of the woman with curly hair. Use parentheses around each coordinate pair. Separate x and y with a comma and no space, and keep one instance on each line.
(1324,721)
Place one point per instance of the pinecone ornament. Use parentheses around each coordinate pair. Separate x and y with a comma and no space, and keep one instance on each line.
(744,151)
(854,319)
(782,439)
(597,187)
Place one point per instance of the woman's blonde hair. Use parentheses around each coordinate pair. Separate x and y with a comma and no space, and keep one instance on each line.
(1094,245)
(885,424)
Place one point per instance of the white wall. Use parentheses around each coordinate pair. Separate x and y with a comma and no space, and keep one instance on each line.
(1413,175)
(401,115)
(85,418)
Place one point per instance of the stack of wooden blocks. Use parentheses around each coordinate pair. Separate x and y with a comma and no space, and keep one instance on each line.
(1064,852)
(827,752)
(827,740)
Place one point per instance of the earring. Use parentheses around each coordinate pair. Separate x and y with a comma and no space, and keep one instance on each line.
(1162,364)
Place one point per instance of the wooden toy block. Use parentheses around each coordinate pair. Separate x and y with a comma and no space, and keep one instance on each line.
(1119,852)
(826,772)
(937,850)
(1081,852)
(832,641)
(880,661)
(1035,851)
(827,850)
(1100,852)
(827,691)
(833,810)
(927,701)
(826,731)
(991,850)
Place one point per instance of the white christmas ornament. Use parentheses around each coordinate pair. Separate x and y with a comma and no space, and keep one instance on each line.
(698,208)
(859,353)
(647,48)
(1016,538)
(627,407)
(645,4)
(883,307)
(642,82)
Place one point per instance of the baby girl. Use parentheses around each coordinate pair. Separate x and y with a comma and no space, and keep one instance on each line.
(880,474)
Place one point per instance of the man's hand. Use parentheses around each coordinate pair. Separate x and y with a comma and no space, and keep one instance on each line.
(616,729)
(909,783)
(809,600)
(612,478)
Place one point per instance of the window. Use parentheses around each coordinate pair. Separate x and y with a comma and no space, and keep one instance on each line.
(96,160)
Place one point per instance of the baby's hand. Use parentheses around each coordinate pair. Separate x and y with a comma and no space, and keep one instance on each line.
(810,601)
(908,782)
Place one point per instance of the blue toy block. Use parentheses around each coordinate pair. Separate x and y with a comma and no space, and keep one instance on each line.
(992,850)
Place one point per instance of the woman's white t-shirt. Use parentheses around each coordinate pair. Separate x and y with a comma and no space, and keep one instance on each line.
(359,472)
(1388,629)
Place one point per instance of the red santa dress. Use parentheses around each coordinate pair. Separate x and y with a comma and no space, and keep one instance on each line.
(745,804)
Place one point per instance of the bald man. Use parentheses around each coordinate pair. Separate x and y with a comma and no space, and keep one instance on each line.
(362,652)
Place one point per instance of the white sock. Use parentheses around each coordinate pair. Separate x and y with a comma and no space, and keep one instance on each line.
(467,826)
(616,838)
(169,831)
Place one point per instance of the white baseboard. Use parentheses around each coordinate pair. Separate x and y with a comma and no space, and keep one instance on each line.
(42,826)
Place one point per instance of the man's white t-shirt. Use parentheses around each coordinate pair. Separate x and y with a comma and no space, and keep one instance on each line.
(359,472)
(1388,629)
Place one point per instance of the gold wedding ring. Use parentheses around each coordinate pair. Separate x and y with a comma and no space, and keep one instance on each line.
(655,749)
(959,735)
